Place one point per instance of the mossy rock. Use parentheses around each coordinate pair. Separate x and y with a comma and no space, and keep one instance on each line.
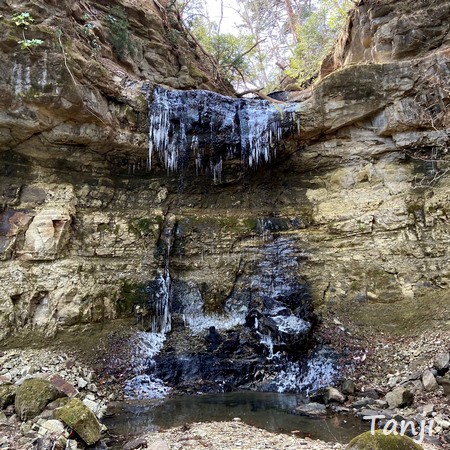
(7,394)
(81,419)
(379,441)
(33,395)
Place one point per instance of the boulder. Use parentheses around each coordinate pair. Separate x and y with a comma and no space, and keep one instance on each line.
(81,419)
(380,441)
(333,395)
(348,387)
(311,409)
(442,361)
(7,394)
(429,382)
(399,397)
(33,395)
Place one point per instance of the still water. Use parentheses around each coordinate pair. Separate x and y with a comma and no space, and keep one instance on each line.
(269,411)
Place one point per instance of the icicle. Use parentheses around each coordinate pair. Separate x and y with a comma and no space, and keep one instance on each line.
(179,117)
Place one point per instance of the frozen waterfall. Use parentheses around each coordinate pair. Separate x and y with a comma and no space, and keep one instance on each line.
(206,128)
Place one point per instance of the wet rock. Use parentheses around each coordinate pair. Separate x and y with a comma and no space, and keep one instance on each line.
(213,339)
(81,419)
(363,402)
(135,444)
(379,441)
(7,394)
(33,395)
(399,398)
(348,387)
(311,409)
(429,381)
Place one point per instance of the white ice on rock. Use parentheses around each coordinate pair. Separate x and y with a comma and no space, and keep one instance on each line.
(321,371)
(180,121)
(291,324)
(142,385)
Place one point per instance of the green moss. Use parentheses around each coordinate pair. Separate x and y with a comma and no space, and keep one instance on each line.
(33,396)
(132,294)
(146,226)
(195,72)
(379,441)
(81,419)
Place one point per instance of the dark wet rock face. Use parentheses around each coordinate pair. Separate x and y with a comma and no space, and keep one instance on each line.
(267,328)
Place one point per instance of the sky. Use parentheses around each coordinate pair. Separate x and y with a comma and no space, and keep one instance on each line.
(230,17)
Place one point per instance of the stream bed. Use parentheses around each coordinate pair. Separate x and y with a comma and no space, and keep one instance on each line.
(269,411)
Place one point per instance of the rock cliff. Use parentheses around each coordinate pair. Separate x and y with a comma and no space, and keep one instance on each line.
(360,197)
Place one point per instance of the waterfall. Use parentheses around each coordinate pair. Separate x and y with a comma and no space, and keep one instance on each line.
(159,304)
(181,122)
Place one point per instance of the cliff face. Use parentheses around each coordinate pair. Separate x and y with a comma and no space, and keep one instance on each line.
(360,197)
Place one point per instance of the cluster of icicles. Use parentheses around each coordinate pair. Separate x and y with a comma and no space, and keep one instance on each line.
(184,123)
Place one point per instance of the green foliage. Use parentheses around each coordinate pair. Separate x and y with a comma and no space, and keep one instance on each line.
(316,37)
(229,50)
(22,19)
(28,44)
(131,295)
(119,36)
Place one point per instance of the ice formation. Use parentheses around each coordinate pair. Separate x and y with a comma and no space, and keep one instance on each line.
(207,128)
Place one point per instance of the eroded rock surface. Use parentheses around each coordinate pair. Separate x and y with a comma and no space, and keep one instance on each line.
(361,195)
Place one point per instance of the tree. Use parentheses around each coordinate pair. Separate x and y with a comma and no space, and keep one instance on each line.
(316,37)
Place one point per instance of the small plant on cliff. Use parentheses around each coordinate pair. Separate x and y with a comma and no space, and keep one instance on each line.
(22,19)
(28,44)
(119,36)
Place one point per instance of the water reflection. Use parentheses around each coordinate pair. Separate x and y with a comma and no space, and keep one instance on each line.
(270,411)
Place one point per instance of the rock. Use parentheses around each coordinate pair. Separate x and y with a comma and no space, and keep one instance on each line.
(311,409)
(443,423)
(33,396)
(333,395)
(81,419)
(429,382)
(94,406)
(53,426)
(135,444)
(61,384)
(7,394)
(445,383)
(399,398)
(348,387)
(442,362)
(363,402)
(71,444)
(427,410)
(158,445)
(393,381)
(82,383)
(379,441)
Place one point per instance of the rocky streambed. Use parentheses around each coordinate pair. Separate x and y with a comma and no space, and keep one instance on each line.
(51,398)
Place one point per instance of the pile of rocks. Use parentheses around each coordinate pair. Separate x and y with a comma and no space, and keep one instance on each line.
(48,401)
(421,397)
